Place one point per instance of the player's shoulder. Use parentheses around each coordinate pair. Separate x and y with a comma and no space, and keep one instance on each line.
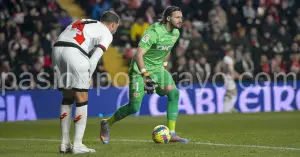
(155,25)
(154,28)
(105,29)
(176,32)
(89,20)
(228,60)
(151,32)
(99,29)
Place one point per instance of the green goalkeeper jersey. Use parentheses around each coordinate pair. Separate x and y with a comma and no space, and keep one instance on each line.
(157,41)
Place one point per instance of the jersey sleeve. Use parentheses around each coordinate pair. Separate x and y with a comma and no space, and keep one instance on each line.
(104,41)
(149,38)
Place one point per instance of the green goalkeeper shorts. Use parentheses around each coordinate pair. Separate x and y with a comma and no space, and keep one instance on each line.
(161,77)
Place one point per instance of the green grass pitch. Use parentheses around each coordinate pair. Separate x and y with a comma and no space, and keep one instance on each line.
(219,135)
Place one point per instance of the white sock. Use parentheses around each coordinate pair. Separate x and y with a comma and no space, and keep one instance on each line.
(80,124)
(65,123)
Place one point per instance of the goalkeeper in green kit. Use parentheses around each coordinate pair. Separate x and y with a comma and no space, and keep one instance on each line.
(148,73)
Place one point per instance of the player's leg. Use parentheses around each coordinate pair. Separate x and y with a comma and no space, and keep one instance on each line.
(231,95)
(80,119)
(65,120)
(230,98)
(67,101)
(77,78)
(166,86)
(136,94)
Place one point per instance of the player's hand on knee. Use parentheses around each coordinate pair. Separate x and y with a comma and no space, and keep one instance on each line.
(149,84)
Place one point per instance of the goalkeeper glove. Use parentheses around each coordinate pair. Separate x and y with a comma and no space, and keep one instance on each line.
(149,84)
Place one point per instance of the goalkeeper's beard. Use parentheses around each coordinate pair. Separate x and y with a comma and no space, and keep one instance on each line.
(175,26)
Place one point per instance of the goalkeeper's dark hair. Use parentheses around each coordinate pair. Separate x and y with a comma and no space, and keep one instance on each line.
(168,12)
(109,17)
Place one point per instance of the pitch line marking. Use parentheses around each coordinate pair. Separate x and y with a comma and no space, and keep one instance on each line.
(149,141)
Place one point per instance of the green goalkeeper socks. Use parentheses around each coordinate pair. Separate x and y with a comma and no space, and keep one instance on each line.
(111,120)
(123,112)
(171,125)
(172,109)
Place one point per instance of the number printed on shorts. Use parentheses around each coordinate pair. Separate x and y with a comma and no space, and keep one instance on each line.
(79,35)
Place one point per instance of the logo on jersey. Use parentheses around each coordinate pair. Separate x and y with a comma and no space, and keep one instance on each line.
(146,38)
(164,48)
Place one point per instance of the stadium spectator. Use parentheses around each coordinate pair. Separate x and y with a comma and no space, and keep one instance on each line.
(3,45)
(248,12)
(137,30)
(64,19)
(234,19)
(202,70)
(277,64)
(99,7)
(150,15)
(265,34)
(294,65)
(284,37)
(122,36)
(246,66)
(270,25)
(264,69)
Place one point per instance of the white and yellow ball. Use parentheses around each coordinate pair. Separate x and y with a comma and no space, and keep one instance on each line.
(161,134)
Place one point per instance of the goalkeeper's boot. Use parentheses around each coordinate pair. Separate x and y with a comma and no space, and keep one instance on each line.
(104,132)
(80,149)
(175,138)
(65,148)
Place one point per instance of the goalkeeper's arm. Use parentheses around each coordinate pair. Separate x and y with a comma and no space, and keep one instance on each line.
(165,63)
(138,57)
(149,83)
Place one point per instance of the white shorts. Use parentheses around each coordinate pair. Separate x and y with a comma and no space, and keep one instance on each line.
(72,69)
(229,83)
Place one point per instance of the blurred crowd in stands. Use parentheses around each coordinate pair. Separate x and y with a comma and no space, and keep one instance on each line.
(264,35)
(29,28)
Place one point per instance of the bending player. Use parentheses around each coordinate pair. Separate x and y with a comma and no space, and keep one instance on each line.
(230,74)
(75,56)
(147,72)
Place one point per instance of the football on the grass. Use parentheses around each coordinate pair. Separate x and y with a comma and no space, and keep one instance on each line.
(161,134)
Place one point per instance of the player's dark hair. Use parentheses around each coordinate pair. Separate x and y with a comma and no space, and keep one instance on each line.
(109,17)
(168,12)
